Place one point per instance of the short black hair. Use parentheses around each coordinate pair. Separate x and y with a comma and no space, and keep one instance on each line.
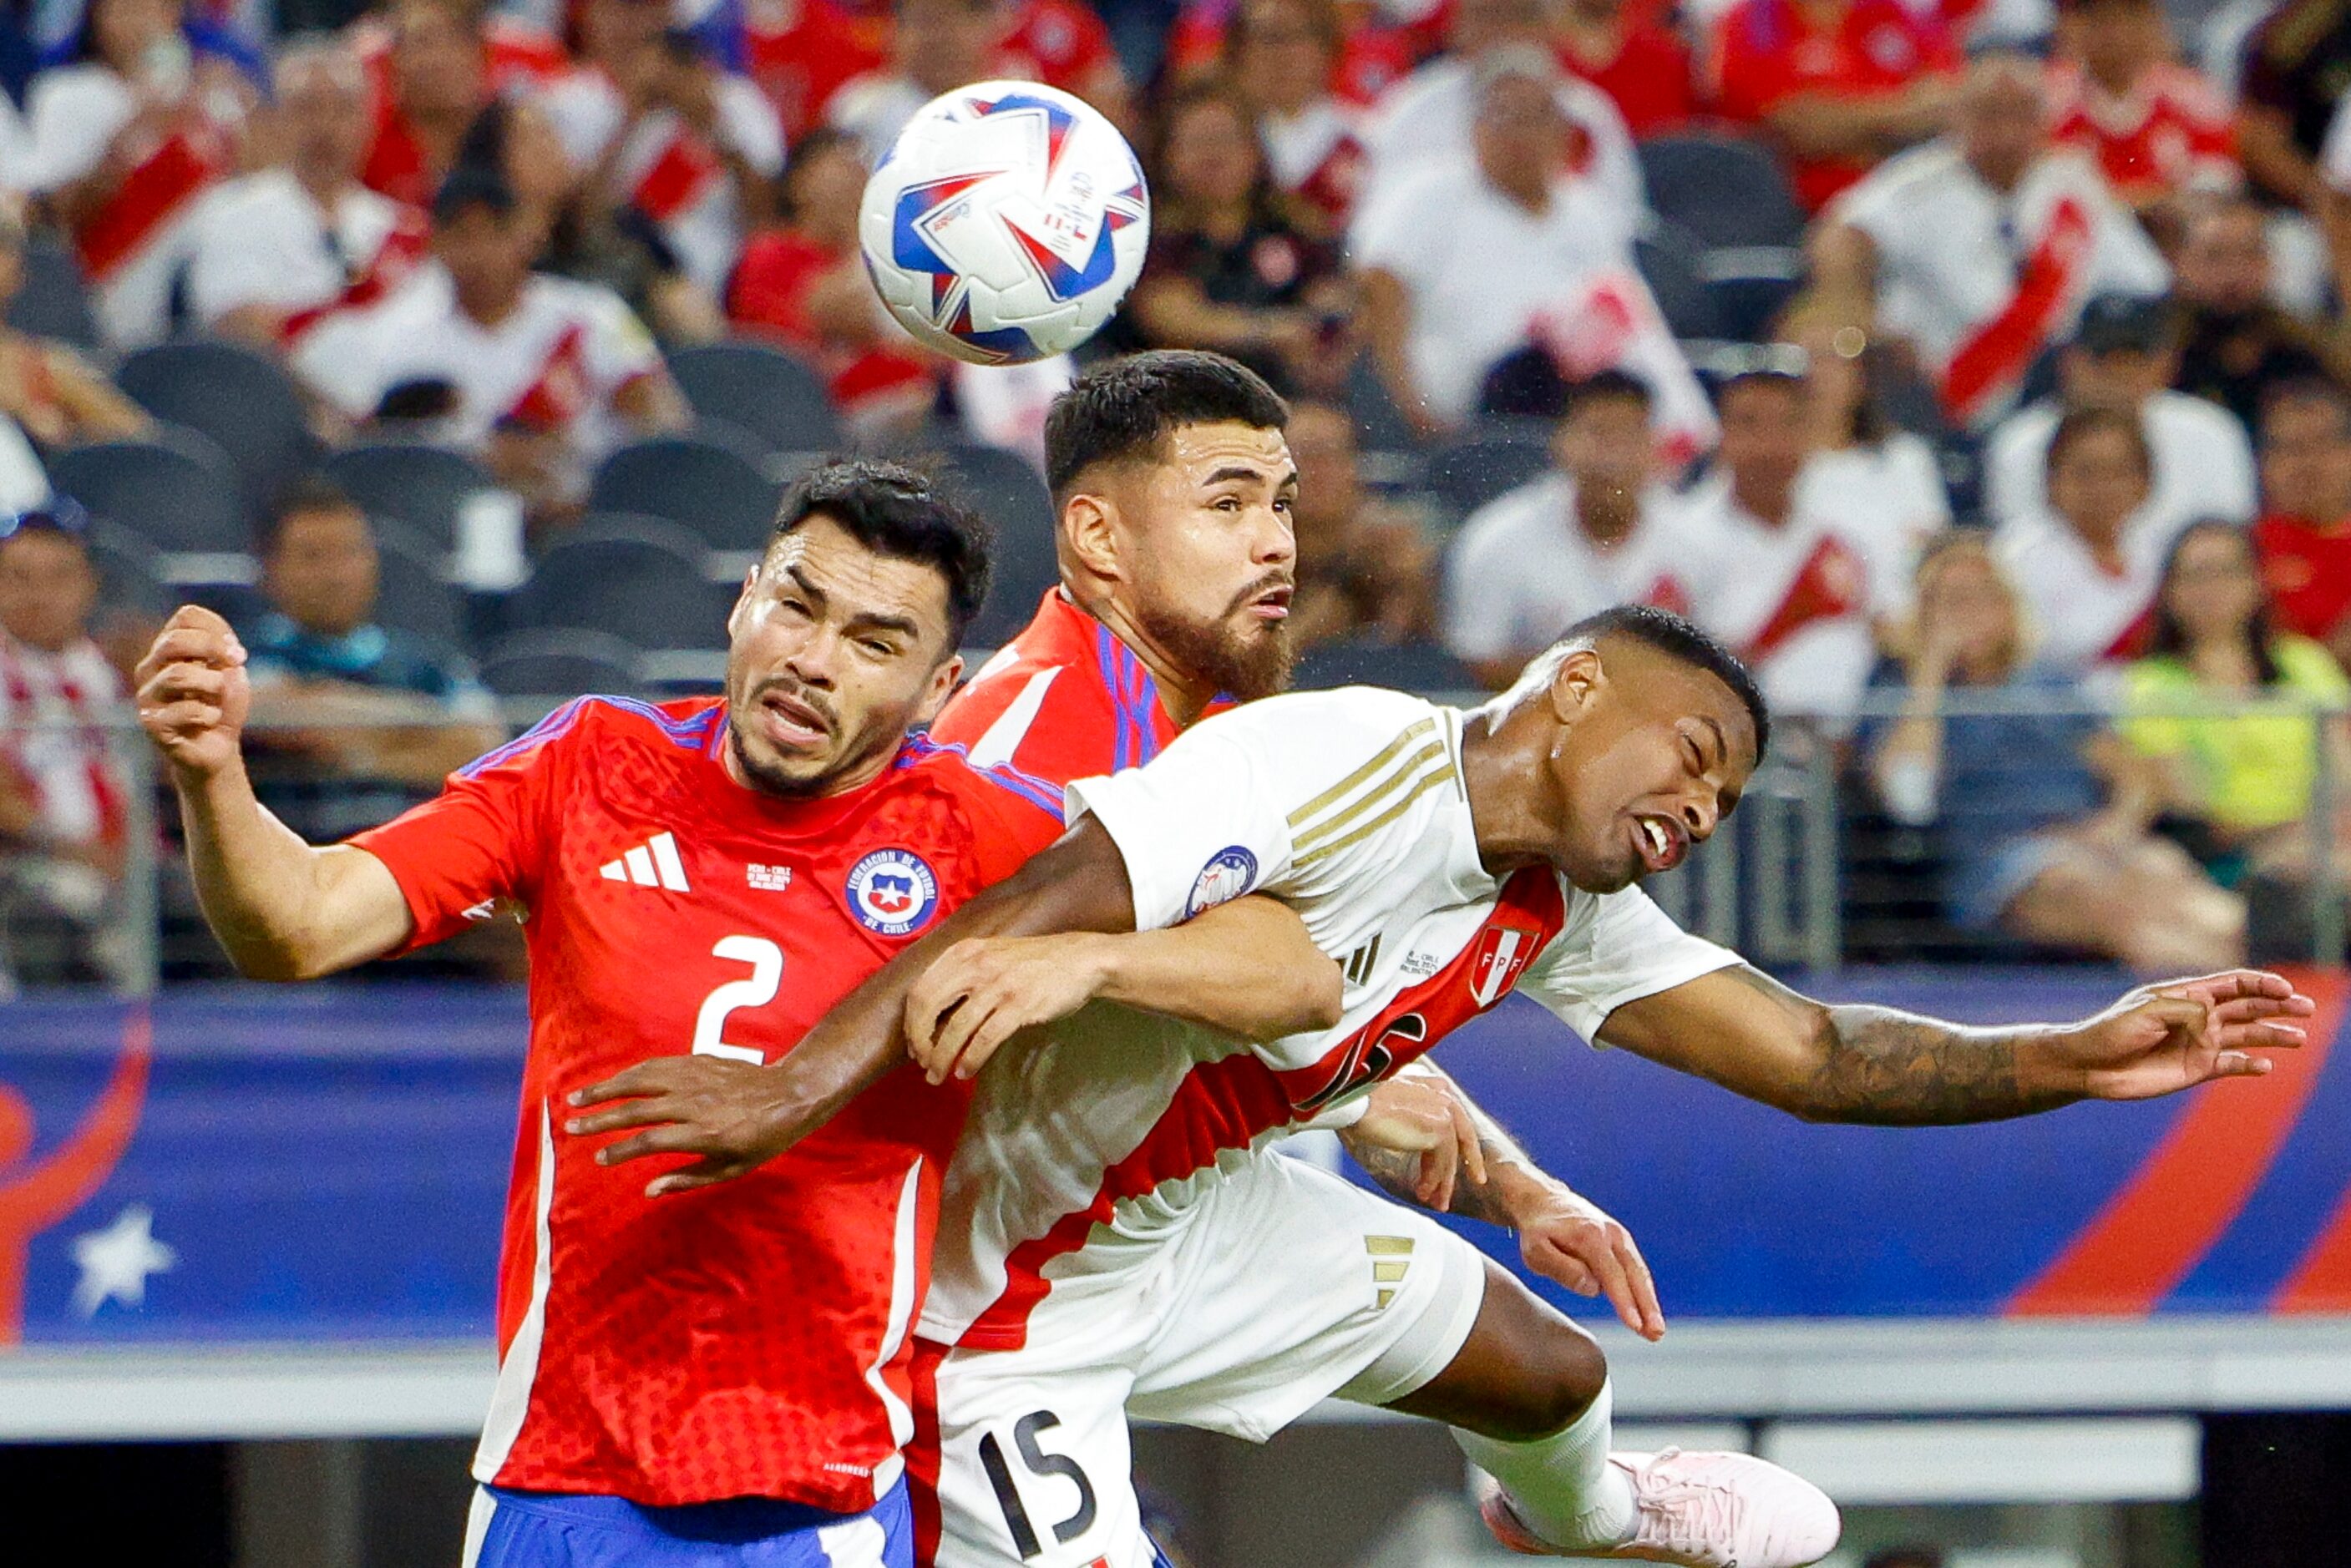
(470,185)
(1127,408)
(2305,389)
(306,497)
(896,510)
(1680,639)
(1605,387)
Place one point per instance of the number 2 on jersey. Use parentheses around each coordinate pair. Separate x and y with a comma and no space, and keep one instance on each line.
(757,989)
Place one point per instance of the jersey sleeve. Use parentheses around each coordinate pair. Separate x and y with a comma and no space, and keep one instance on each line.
(484,836)
(1625,949)
(1010,820)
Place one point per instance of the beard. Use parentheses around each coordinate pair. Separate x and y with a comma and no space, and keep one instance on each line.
(770,774)
(1246,658)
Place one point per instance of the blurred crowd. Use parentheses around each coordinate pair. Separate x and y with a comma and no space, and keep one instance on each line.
(1967,365)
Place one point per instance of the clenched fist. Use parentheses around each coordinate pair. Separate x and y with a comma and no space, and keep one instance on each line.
(193,692)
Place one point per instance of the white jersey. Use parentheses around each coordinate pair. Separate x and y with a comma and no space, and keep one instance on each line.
(670,173)
(1983,281)
(555,363)
(1893,492)
(133,244)
(1795,601)
(1348,805)
(2081,613)
(264,240)
(2204,462)
(54,708)
(1523,570)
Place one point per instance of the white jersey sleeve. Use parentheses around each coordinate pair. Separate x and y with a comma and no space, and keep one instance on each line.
(1255,799)
(1616,948)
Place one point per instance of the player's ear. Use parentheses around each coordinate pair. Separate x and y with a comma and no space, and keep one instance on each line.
(1090,534)
(944,681)
(1577,684)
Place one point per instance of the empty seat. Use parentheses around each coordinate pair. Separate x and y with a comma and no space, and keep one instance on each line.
(1380,425)
(1491,461)
(1669,265)
(238,397)
(411,593)
(775,396)
(130,570)
(561,664)
(173,488)
(1724,190)
(637,578)
(704,481)
(1421,667)
(426,488)
(1747,286)
(52,301)
(1011,494)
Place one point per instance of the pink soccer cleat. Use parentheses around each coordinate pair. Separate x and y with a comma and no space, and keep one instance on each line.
(1700,1511)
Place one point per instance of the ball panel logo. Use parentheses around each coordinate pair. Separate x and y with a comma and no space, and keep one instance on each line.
(891,892)
(1229,873)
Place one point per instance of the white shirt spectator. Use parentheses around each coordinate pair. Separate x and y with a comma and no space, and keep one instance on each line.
(1982,282)
(2204,462)
(1796,601)
(671,172)
(264,241)
(132,246)
(1317,154)
(1522,571)
(1486,277)
(2081,613)
(555,362)
(1427,119)
(1893,491)
(874,108)
(78,792)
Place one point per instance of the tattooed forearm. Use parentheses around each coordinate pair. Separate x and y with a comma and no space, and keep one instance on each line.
(1896,1069)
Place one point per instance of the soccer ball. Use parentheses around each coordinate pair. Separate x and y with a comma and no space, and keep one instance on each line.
(1006,223)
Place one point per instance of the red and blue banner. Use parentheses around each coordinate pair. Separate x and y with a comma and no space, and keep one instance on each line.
(329,1164)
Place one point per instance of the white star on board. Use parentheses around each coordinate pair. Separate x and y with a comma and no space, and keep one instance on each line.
(115,1262)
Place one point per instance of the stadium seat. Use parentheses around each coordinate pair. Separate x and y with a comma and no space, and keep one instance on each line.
(1380,425)
(776,397)
(424,488)
(239,398)
(637,578)
(53,301)
(1011,495)
(1490,460)
(561,664)
(1747,286)
(1724,190)
(706,482)
(173,488)
(411,593)
(1669,265)
(1421,667)
(130,570)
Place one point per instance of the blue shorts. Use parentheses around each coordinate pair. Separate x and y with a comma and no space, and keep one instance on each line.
(549,1530)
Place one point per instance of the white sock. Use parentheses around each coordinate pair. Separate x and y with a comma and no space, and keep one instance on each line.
(1562,1486)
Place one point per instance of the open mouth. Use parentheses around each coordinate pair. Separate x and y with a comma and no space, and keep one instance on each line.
(1273,604)
(1662,843)
(792,723)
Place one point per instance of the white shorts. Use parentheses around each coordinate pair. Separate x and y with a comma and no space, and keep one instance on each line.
(1283,1286)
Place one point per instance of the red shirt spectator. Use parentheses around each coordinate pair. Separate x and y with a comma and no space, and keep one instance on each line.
(1368,58)
(2155,127)
(1856,65)
(1640,62)
(2305,536)
(805,285)
(433,69)
(1071,46)
(801,52)
(1280,56)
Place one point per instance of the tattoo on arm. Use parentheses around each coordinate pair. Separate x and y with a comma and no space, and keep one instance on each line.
(1875,1064)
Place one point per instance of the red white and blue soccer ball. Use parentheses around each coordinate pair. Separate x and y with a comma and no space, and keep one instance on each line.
(1006,223)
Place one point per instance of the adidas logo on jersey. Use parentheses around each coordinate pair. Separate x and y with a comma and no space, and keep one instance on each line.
(653,864)
(1361,962)
(1391,1260)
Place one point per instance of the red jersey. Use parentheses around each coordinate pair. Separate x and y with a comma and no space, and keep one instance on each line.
(2171,132)
(801,52)
(748,1340)
(1767,52)
(1648,77)
(1067,41)
(1065,700)
(2307,566)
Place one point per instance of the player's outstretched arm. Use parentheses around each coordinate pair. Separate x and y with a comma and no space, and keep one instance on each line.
(283,909)
(1420,1127)
(737,1116)
(1750,1033)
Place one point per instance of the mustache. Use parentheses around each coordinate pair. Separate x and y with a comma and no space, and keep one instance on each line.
(1264,585)
(784,685)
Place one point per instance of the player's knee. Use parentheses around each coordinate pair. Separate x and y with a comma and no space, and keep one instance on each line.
(1563,1371)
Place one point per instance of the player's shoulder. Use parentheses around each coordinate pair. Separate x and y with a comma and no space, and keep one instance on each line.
(609,725)
(928,762)
(1323,730)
